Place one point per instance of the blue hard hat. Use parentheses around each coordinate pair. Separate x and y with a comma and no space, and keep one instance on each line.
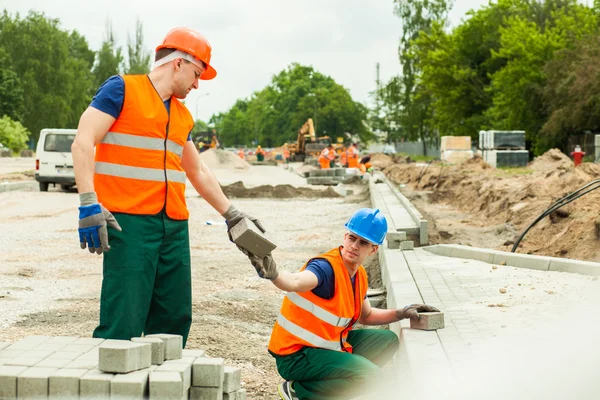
(368,223)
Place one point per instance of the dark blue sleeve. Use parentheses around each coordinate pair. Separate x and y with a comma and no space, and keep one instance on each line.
(110,96)
(324,271)
(189,136)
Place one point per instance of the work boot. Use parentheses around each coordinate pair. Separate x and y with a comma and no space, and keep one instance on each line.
(286,392)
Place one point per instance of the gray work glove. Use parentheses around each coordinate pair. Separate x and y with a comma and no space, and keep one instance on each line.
(233,216)
(412,311)
(93,218)
(265,267)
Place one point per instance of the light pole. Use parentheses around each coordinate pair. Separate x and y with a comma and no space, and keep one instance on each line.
(198,98)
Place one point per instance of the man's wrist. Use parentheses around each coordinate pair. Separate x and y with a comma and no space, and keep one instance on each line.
(89,198)
(231,212)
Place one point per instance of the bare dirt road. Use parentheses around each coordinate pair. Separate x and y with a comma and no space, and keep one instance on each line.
(49,286)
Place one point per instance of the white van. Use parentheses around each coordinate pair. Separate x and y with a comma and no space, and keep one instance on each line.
(54,162)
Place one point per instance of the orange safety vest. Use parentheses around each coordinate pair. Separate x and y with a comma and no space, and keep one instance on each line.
(286,154)
(352,157)
(324,159)
(305,319)
(241,154)
(138,163)
(344,158)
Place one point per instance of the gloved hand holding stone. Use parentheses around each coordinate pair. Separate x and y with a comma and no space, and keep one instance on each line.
(265,267)
(412,311)
(93,219)
(233,216)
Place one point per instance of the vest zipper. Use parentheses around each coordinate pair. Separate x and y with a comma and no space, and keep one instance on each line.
(356,315)
(165,163)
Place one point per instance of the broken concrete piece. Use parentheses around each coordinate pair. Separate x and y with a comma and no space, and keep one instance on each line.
(429,321)
(248,237)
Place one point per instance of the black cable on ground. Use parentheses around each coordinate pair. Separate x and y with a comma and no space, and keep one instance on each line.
(558,204)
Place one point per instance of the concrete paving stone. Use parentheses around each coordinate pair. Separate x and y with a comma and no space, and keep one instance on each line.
(182,360)
(237,395)
(39,353)
(11,353)
(83,363)
(33,383)
(208,372)
(173,345)
(575,266)
(64,383)
(24,361)
(193,353)
(428,321)
(184,370)
(157,350)
(232,379)
(63,355)
(53,362)
(166,385)
(4,345)
(5,360)
(92,341)
(249,237)
(205,393)
(30,342)
(93,354)
(62,339)
(51,346)
(8,381)
(80,348)
(131,385)
(124,356)
(95,385)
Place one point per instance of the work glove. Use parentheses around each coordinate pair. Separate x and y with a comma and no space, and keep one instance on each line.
(265,267)
(412,311)
(233,216)
(93,218)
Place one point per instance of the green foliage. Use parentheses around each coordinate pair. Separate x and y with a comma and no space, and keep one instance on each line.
(274,115)
(138,57)
(109,60)
(12,134)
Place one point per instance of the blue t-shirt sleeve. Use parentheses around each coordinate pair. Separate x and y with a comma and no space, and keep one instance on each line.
(110,96)
(324,272)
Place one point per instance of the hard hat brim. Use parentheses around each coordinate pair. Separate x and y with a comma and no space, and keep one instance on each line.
(209,73)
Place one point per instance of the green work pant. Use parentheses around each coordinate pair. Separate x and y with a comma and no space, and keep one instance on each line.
(147,283)
(327,375)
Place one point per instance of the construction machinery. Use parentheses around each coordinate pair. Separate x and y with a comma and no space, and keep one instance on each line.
(307,144)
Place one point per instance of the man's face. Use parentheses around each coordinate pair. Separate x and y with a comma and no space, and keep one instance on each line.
(186,78)
(356,249)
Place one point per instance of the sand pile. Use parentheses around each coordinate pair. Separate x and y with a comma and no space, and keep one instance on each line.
(238,190)
(381,161)
(221,159)
(551,160)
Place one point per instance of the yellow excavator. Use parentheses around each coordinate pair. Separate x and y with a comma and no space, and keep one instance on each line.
(307,144)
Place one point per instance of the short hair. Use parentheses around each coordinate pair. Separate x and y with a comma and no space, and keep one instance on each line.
(162,53)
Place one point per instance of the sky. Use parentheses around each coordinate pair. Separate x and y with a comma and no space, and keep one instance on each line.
(253,40)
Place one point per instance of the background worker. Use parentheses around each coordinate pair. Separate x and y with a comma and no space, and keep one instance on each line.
(286,155)
(365,164)
(260,153)
(316,349)
(325,158)
(241,154)
(353,155)
(344,157)
(135,185)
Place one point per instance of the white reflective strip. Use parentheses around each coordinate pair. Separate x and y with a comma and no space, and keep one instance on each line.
(178,54)
(144,174)
(317,311)
(142,142)
(307,336)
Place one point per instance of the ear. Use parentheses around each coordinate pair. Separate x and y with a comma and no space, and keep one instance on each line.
(373,250)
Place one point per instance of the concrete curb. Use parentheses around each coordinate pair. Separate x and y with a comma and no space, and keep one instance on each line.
(528,261)
(19,185)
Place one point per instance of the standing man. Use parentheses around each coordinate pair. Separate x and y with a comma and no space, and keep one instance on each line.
(260,154)
(325,158)
(316,349)
(135,185)
(353,156)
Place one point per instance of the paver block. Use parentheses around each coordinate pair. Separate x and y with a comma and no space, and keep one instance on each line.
(95,385)
(124,356)
(92,341)
(8,381)
(428,321)
(173,345)
(394,238)
(64,355)
(184,370)
(247,236)
(206,393)
(51,346)
(53,362)
(62,339)
(30,342)
(407,245)
(33,382)
(4,345)
(133,384)
(80,348)
(25,361)
(39,353)
(193,353)
(166,385)
(232,379)
(11,353)
(208,372)
(64,383)
(83,363)
(182,360)
(237,395)
(157,350)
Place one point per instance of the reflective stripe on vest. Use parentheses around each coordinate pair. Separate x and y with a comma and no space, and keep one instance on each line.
(317,311)
(144,174)
(142,142)
(307,336)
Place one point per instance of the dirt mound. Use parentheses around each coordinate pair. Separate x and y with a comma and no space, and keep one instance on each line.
(476,162)
(551,160)
(590,169)
(381,161)
(238,190)
(221,159)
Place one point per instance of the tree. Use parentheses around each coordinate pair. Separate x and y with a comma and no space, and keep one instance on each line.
(109,60)
(12,134)
(138,57)
(12,96)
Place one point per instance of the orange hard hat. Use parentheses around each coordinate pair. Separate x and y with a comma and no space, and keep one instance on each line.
(193,43)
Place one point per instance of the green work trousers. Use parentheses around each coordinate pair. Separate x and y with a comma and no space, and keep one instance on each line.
(327,375)
(147,283)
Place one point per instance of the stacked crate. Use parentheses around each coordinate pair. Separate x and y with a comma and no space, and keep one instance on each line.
(456,149)
(503,148)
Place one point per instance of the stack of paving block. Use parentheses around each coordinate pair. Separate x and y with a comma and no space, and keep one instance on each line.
(154,366)
(456,149)
(331,176)
(503,148)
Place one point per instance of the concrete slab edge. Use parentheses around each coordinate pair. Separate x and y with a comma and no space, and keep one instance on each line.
(528,261)
(10,186)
